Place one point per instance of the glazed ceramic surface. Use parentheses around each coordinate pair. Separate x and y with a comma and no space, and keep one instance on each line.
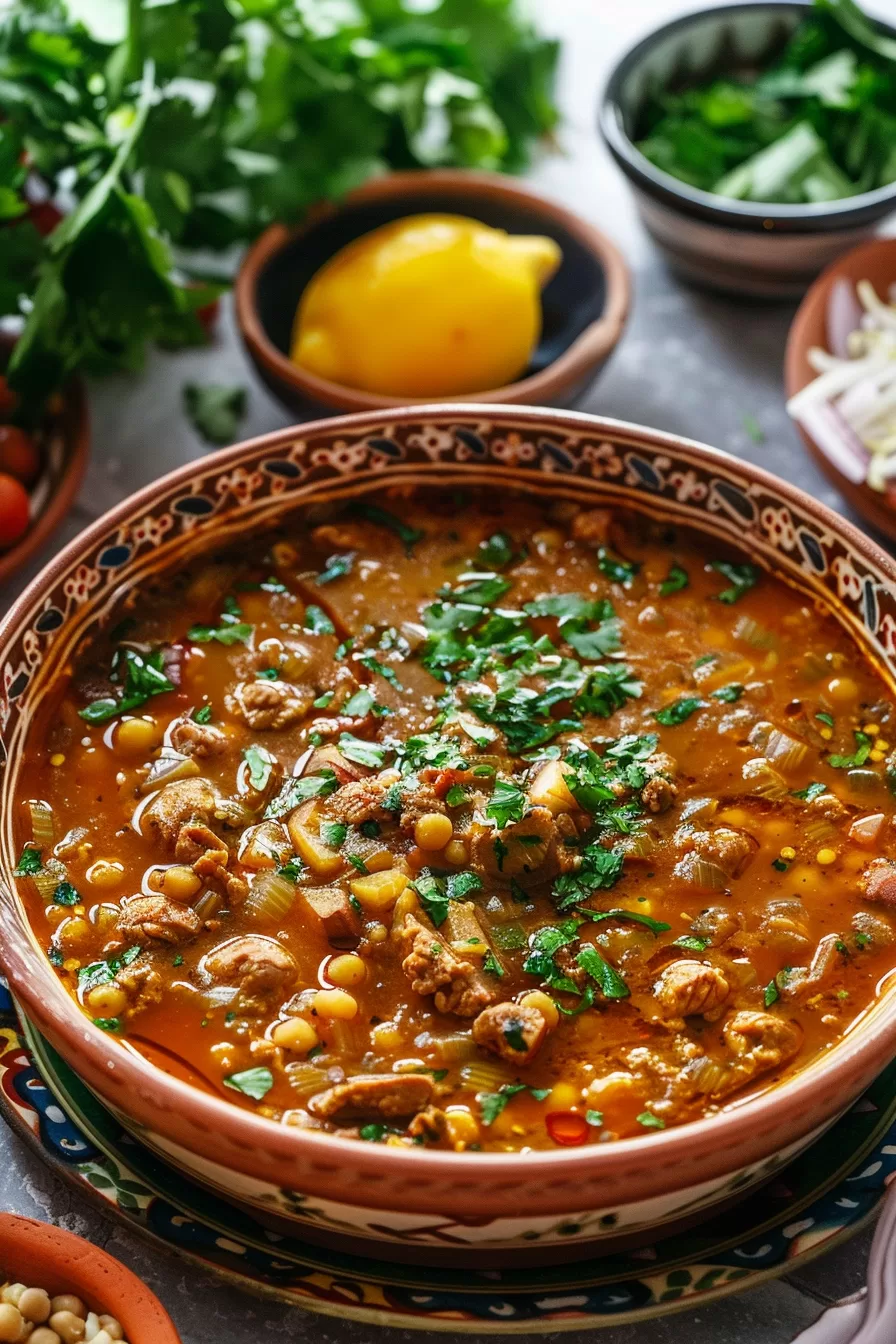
(813,1204)
(756,248)
(460,1204)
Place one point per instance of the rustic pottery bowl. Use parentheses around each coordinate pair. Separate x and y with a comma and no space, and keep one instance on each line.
(42,1256)
(763,250)
(875,261)
(445,1206)
(585,304)
(64,440)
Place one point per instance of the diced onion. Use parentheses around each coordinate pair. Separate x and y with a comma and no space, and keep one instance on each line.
(864,782)
(707,1075)
(702,873)
(757,636)
(763,780)
(485,1076)
(270,896)
(306,1079)
(208,905)
(221,995)
(169,766)
(639,846)
(43,831)
(699,807)
(819,830)
(451,1049)
(786,752)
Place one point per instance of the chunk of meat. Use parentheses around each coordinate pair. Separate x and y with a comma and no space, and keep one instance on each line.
(522,847)
(433,968)
(878,882)
(418,803)
(660,790)
(270,705)
(871,930)
(362,800)
(431,1123)
(209,856)
(729,849)
(259,967)
(592,525)
(718,924)
(186,800)
(141,983)
(511,1030)
(197,739)
(786,927)
(157,917)
(829,956)
(691,989)
(374,1096)
(333,909)
(760,1041)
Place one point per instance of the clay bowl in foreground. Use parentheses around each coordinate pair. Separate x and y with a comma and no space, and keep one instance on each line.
(465,1207)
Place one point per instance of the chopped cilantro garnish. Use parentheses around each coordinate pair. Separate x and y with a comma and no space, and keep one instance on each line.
(771,994)
(255,1083)
(318,622)
(730,694)
(65,894)
(358,864)
(144,677)
(692,942)
(679,710)
(268,674)
(611,983)
(507,803)
(864,746)
(336,568)
(656,926)
(295,791)
(595,1118)
(742,579)
(323,700)
(651,1121)
(826,719)
(360,704)
(810,792)
(512,1031)
(599,870)
(491,965)
(236,632)
(333,833)
(381,669)
(29,862)
(108,1023)
(677,579)
(456,796)
(614,568)
(203,714)
(408,536)
(496,552)
(260,763)
(291,870)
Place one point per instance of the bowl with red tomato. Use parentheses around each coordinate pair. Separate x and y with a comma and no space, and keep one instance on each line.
(42,464)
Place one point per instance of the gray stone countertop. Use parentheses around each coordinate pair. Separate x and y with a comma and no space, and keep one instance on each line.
(689,362)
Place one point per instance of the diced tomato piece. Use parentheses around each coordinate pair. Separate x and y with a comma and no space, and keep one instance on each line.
(567,1128)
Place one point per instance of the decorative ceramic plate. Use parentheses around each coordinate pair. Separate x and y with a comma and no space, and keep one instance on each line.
(823,1197)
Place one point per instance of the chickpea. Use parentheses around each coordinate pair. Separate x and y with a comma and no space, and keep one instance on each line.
(69,1327)
(346,971)
(69,1302)
(377,933)
(102,1337)
(456,852)
(462,1127)
(34,1304)
(433,831)
(74,931)
(180,883)
(44,1335)
(536,998)
(842,690)
(136,736)
(12,1292)
(335,1003)
(11,1322)
(105,874)
(112,1327)
(296,1035)
(105,1001)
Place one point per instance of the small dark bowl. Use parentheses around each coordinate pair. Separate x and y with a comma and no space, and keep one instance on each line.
(743,247)
(584,305)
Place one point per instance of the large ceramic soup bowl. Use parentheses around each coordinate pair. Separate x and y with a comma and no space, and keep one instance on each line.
(411,1200)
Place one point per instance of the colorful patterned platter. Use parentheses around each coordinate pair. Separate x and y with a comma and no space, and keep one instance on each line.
(819,1200)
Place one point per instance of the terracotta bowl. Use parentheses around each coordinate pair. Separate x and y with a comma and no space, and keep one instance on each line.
(585,304)
(42,1256)
(764,250)
(875,261)
(65,444)
(443,1205)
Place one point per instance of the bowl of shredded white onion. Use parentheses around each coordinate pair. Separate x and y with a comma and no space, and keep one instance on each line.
(841,377)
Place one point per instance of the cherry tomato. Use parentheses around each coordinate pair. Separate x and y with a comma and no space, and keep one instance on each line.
(8,399)
(567,1128)
(14,514)
(208,316)
(18,454)
(44,216)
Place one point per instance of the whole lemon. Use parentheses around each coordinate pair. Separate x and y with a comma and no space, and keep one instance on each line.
(427,306)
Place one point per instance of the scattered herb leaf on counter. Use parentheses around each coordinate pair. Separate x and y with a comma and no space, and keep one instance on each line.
(215,410)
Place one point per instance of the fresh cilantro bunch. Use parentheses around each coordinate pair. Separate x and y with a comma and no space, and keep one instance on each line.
(167,129)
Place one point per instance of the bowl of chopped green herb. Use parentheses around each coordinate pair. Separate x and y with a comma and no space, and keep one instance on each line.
(759,139)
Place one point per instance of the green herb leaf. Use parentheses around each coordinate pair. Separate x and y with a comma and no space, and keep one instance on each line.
(203,714)
(496,552)
(491,965)
(260,763)
(143,678)
(599,870)
(65,894)
(742,578)
(29,862)
(491,1104)
(864,747)
(655,926)
(679,710)
(318,622)
(408,536)
(237,633)
(771,994)
(616,569)
(333,833)
(611,983)
(677,579)
(507,803)
(295,791)
(730,694)
(810,792)
(255,1083)
(692,942)
(651,1121)
(215,410)
(336,568)
(357,749)
(108,1023)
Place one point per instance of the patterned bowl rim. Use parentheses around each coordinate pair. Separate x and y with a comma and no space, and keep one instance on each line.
(254,1144)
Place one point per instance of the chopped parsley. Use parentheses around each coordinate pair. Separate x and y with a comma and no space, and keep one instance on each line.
(255,1083)
(864,747)
(144,677)
(496,552)
(676,580)
(692,942)
(333,833)
(261,764)
(291,870)
(230,631)
(104,972)
(679,710)
(357,749)
(381,669)
(408,536)
(730,694)
(512,1031)
(599,870)
(29,862)
(771,994)
(611,983)
(456,796)
(826,719)
(491,965)
(108,1023)
(295,791)
(203,714)
(614,568)
(741,577)
(810,792)
(65,894)
(336,568)
(507,803)
(323,700)
(651,1121)
(491,1104)
(318,622)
